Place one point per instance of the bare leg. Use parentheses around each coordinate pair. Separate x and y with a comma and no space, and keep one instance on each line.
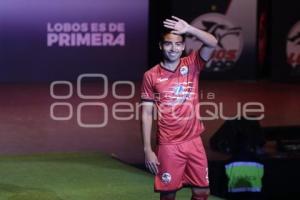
(167,195)
(200,193)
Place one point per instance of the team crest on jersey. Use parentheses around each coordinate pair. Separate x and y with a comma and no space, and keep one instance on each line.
(184,70)
(166,177)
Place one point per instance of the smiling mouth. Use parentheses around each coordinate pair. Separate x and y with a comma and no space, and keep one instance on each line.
(173,54)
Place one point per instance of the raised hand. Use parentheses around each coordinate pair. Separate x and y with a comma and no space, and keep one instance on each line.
(177,25)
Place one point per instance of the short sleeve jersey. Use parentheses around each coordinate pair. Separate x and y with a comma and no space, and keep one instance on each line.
(175,94)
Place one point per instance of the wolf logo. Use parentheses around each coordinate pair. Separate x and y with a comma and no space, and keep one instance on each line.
(229,36)
(220,31)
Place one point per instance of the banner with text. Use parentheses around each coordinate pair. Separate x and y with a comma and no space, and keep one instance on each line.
(44,40)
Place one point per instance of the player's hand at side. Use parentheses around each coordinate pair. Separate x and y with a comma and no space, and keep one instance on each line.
(179,26)
(151,161)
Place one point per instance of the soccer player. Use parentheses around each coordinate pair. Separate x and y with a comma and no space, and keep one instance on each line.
(172,88)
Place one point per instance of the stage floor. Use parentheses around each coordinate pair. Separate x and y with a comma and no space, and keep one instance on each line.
(89,176)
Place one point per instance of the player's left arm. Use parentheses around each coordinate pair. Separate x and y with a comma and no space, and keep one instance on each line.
(179,26)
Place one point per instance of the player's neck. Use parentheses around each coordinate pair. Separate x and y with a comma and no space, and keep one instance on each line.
(170,65)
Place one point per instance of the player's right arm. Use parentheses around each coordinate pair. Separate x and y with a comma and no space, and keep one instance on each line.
(151,160)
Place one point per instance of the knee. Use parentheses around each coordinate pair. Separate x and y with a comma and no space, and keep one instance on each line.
(167,195)
(200,194)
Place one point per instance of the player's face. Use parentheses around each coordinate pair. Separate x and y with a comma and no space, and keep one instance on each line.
(172,47)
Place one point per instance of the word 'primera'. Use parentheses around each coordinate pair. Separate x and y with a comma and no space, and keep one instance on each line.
(85,39)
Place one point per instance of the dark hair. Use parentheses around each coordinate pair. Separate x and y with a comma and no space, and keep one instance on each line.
(164,32)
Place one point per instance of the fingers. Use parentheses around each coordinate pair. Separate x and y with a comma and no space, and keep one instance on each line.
(170,21)
(174,17)
(174,21)
(169,26)
(152,167)
(157,163)
(176,24)
(148,165)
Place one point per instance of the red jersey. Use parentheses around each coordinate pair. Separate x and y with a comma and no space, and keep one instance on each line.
(175,94)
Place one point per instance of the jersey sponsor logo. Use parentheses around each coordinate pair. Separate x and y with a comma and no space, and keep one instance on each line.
(179,93)
(293,47)
(229,36)
(178,90)
(166,177)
